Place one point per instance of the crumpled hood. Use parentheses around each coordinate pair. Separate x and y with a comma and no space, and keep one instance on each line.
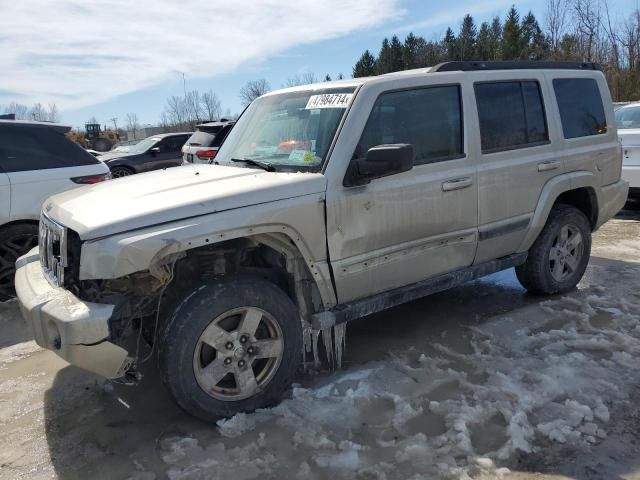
(152,198)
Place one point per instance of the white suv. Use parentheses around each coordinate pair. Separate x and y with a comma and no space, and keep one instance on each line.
(628,123)
(36,161)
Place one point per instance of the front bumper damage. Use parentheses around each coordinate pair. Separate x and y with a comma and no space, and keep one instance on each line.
(76,330)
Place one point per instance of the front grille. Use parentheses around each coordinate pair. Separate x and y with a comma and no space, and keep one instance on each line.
(52,243)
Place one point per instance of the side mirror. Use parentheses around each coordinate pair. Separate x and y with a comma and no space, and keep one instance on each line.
(154,151)
(381,161)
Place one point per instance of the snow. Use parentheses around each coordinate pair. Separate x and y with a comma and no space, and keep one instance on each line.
(546,374)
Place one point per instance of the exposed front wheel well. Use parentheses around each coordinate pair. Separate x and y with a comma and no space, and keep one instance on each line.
(585,200)
(272,257)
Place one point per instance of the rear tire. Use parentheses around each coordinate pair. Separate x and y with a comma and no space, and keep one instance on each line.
(229,347)
(558,258)
(15,241)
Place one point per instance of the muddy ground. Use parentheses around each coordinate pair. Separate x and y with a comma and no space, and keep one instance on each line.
(483,381)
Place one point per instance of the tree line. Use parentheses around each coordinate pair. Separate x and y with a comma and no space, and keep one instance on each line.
(571,30)
(36,112)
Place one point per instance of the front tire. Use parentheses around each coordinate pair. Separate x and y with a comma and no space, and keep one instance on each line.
(118,172)
(230,347)
(558,258)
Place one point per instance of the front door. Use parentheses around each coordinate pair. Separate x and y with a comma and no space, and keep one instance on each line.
(404,228)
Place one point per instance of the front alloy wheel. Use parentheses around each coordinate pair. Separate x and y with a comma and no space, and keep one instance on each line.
(231,346)
(238,353)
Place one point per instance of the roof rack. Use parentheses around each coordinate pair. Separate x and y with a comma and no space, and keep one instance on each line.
(513,65)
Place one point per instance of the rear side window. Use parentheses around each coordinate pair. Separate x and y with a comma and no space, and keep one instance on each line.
(173,144)
(511,115)
(202,138)
(581,109)
(24,148)
(428,118)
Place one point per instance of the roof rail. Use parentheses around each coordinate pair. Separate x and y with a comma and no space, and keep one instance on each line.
(474,66)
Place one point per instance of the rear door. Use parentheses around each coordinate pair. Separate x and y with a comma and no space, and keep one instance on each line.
(39,162)
(516,158)
(170,154)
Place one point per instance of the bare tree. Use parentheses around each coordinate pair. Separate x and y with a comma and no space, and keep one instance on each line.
(211,105)
(193,109)
(18,109)
(39,113)
(132,123)
(304,79)
(588,21)
(175,110)
(253,89)
(54,115)
(555,23)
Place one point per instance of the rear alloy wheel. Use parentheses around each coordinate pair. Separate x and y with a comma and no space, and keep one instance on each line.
(231,346)
(559,256)
(15,241)
(117,172)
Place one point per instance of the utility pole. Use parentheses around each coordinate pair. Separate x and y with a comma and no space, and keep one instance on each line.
(184,85)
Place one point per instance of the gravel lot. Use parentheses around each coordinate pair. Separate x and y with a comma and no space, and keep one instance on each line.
(481,382)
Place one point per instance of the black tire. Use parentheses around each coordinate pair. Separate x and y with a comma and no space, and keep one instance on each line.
(180,340)
(536,274)
(15,241)
(121,171)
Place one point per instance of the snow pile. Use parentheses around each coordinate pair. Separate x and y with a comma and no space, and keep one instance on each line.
(547,374)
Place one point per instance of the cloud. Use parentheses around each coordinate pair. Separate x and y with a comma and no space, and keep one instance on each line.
(453,16)
(80,53)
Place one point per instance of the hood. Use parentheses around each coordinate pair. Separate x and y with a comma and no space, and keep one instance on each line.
(117,154)
(161,196)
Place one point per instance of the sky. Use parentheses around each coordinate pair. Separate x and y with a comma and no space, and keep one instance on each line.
(107,58)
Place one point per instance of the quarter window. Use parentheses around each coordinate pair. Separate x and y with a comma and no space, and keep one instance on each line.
(581,109)
(428,118)
(511,115)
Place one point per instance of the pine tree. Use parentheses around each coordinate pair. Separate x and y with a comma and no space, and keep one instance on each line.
(511,45)
(483,44)
(410,51)
(467,39)
(365,67)
(450,45)
(390,57)
(496,38)
(535,45)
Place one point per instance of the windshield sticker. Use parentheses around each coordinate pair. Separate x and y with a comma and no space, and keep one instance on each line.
(302,157)
(329,100)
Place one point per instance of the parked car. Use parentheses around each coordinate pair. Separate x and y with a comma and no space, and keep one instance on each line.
(36,161)
(345,198)
(628,123)
(152,153)
(205,142)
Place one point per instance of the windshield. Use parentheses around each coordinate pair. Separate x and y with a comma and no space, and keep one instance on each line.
(290,131)
(628,117)
(143,145)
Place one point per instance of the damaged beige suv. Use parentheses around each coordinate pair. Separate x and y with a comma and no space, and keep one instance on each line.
(329,202)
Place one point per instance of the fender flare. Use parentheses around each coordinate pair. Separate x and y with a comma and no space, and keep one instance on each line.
(548,196)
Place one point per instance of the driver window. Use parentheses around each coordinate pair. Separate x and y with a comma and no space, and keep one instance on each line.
(428,118)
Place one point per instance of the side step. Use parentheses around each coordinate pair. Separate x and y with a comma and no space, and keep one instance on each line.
(382,301)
